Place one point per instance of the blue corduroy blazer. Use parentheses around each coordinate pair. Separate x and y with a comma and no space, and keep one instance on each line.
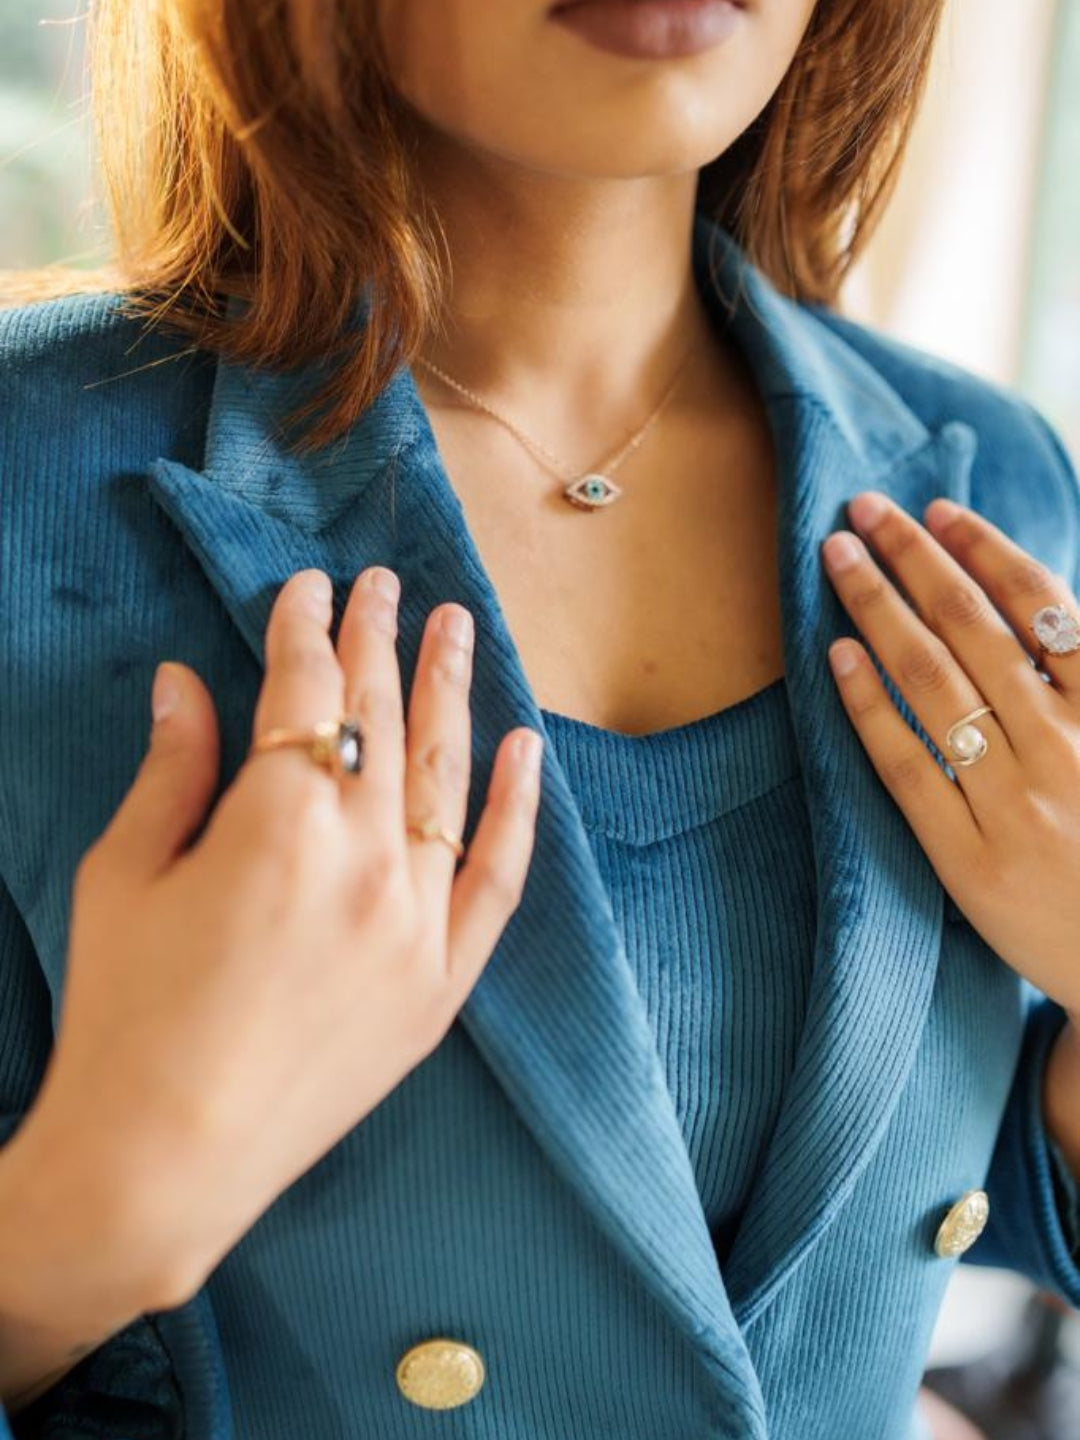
(526,1189)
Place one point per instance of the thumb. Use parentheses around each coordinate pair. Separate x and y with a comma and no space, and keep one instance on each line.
(168,798)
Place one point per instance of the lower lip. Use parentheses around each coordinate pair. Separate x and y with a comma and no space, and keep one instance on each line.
(651,29)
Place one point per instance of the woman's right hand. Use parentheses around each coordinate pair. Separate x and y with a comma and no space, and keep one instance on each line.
(232,1007)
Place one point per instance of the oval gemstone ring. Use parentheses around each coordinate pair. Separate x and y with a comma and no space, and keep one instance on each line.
(1057,631)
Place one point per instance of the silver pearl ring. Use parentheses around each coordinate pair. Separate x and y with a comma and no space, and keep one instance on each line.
(965,742)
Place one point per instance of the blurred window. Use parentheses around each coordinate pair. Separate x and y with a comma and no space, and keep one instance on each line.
(1050,355)
(45,142)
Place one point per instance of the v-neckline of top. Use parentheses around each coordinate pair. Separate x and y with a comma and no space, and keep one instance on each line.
(643,788)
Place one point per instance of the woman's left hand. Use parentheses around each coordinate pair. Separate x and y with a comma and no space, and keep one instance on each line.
(1004,837)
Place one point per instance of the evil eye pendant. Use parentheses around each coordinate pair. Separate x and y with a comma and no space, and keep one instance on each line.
(592,492)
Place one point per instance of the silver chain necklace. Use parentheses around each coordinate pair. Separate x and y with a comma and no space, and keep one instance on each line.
(594,488)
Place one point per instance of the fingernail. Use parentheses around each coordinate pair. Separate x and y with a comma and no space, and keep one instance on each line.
(318,586)
(866,510)
(458,625)
(941,513)
(165,694)
(842,550)
(529,746)
(843,658)
(387,583)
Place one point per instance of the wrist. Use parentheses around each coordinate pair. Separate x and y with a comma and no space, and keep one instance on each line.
(1061,1093)
(77,1242)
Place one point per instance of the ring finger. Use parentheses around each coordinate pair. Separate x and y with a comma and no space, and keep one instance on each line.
(1019,585)
(923,667)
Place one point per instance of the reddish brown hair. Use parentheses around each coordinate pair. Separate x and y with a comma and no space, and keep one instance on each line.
(255,150)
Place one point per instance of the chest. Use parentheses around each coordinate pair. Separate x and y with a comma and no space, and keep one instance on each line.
(653,611)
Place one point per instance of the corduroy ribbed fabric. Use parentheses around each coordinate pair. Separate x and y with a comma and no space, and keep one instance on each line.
(702,837)
(527,1189)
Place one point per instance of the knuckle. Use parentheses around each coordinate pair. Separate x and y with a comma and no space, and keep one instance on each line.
(895,537)
(904,772)
(298,654)
(450,665)
(379,707)
(443,762)
(868,593)
(960,605)
(497,881)
(965,537)
(1029,577)
(864,705)
(924,669)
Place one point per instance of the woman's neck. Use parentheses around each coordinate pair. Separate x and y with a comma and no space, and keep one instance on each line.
(571,303)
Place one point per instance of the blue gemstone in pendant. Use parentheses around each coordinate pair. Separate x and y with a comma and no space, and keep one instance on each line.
(591,492)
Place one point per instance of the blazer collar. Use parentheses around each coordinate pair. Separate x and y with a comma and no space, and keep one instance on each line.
(556,1013)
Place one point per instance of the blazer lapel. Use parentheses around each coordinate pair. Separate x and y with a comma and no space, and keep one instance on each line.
(556,1014)
(839,428)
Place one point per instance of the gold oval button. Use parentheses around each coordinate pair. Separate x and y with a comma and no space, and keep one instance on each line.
(963,1225)
(440,1373)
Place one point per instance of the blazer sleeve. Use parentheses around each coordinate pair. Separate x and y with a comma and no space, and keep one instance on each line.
(1034,1224)
(162,1376)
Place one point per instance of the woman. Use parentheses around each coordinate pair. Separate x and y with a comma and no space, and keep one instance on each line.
(784,1013)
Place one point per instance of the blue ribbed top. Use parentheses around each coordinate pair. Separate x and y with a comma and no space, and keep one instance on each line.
(702,835)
